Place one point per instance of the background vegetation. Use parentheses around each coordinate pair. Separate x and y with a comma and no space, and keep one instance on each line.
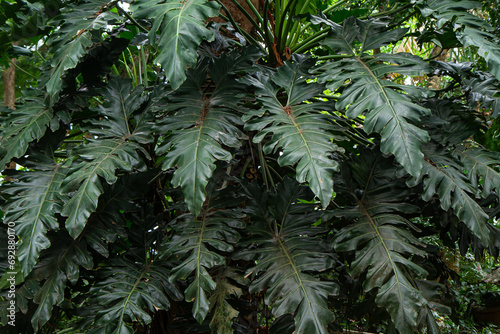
(274,166)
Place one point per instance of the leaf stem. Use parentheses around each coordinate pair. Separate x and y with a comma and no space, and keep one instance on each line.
(248,16)
(311,41)
(21,69)
(133,66)
(229,18)
(127,15)
(255,11)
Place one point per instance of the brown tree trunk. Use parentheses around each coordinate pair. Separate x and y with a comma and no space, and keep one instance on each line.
(238,16)
(9,98)
(434,82)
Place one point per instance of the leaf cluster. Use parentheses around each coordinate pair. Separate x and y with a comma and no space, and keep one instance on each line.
(175,174)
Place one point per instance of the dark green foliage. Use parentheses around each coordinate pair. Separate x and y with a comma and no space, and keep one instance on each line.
(390,112)
(201,125)
(288,250)
(181,28)
(76,34)
(381,237)
(298,128)
(218,181)
(29,122)
(199,243)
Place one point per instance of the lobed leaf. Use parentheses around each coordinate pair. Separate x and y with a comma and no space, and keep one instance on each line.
(51,294)
(99,159)
(121,101)
(129,292)
(22,126)
(198,244)
(301,130)
(443,176)
(286,256)
(471,29)
(181,29)
(200,129)
(33,208)
(481,166)
(379,237)
(73,38)
(388,111)
(59,264)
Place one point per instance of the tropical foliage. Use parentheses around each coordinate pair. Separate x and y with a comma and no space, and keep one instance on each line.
(180,173)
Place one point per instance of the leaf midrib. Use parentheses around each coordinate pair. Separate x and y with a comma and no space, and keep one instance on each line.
(386,249)
(306,144)
(30,124)
(92,172)
(131,292)
(299,280)
(47,191)
(464,194)
(388,102)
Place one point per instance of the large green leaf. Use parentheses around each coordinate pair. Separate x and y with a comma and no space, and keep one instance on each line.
(471,29)
(287,255)
(443,176)
(120,102)
(200,126)
(380,244)
(362,76)
(51,294)
(380,237)
(33,207)
(99,158)
(180,25)
(104,225)
(482,168)
(59,264)
(70,42)
(300,129)
(488,47)
(199,243)
(129,291)
(121,113)
(24,125)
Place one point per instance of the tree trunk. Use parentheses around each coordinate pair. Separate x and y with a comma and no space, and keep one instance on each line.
(441,55)
(238,16)
(9,98)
